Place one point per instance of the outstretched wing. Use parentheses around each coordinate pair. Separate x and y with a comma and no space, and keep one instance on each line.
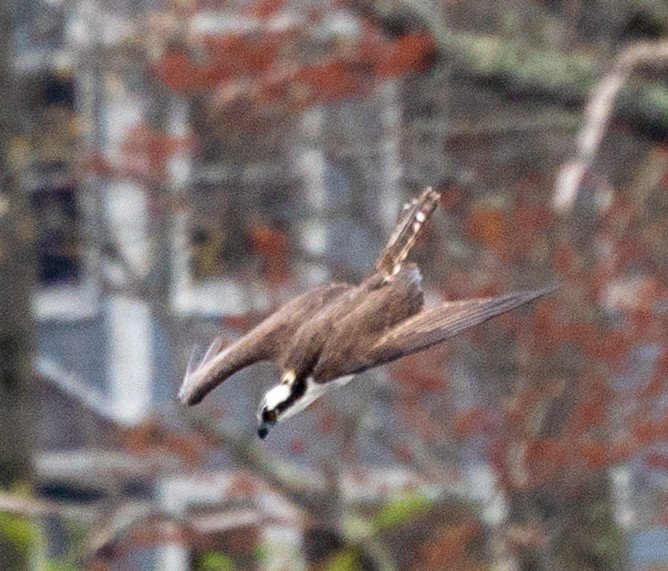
(434,326)
(267,341)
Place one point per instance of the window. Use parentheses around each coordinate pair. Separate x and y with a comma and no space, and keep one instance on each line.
(243,200)
(51,178)
(353,236)
(40,25)
(57,224)
(241,231)
(354,138)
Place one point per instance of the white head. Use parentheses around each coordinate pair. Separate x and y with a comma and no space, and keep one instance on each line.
(275,403)
(289,398)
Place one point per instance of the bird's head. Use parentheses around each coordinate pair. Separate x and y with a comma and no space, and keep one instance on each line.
(278,403)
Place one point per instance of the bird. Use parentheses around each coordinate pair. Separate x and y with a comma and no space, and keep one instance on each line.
(323,338)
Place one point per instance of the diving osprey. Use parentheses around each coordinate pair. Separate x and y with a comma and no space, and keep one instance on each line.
(325,336)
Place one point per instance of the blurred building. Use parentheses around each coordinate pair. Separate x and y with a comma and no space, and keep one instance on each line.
(237,222)
(149,243)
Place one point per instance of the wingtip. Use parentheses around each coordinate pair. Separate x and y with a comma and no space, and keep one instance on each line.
(545,290)
(188,391)
(188,394)
(194,360)
(183,396)
(528,295)
(193,389)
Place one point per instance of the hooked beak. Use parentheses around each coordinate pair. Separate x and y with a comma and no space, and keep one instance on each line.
(264,428)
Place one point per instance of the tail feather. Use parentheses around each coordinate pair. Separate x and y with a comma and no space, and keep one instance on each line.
(414,214)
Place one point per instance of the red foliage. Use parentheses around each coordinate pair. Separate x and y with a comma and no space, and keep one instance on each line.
(260,66)
(272,247)
(611,347)
(595,454)
(393,59)
(587,415)
(471,421)
(259,74)
(402,453)
(328,422)
(452,196)
(146,152)
(487,226)
(176,71)
(98,165)
(657,461)
(297,446)
(152,437)
(565,261)
(243,486)
(649,431)
(264,8)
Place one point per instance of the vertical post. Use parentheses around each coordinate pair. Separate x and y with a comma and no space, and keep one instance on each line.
(391,172)
(311,164)
(17,398)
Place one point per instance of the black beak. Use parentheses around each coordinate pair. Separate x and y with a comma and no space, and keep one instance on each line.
(264,429)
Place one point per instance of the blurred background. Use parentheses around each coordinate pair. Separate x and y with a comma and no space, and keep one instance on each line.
(171,170)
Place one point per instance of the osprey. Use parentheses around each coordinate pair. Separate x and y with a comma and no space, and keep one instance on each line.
(324,337)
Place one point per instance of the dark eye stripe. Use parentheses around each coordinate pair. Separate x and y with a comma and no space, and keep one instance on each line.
(270,415)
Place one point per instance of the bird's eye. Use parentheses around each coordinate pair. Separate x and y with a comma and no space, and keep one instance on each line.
(270,415)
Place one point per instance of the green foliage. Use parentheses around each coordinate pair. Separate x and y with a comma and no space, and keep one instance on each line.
(215,561)
(19,530)
(594,537)
(260,553)
(61,566)
(344,560)
(27,536)
(399,511)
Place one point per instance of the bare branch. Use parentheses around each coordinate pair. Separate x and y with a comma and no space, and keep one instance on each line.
(25,505)
(275,472)
(122,521)
(30,506)
(597,114)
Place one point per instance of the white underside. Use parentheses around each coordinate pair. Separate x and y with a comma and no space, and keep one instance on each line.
(280,393)
(313,392)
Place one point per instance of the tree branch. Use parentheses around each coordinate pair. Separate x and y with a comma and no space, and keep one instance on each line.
(513,67)
(598,114)
(275,471)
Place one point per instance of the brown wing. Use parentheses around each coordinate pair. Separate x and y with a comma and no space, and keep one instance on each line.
(433,326)
(267,341)
(358,324)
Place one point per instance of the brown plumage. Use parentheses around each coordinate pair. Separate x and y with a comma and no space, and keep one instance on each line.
(338,330)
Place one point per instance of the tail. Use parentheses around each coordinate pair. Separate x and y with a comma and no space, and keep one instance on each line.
(413,215)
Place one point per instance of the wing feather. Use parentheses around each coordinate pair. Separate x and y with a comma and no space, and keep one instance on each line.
(267,341)
(440,323)
(425,329)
